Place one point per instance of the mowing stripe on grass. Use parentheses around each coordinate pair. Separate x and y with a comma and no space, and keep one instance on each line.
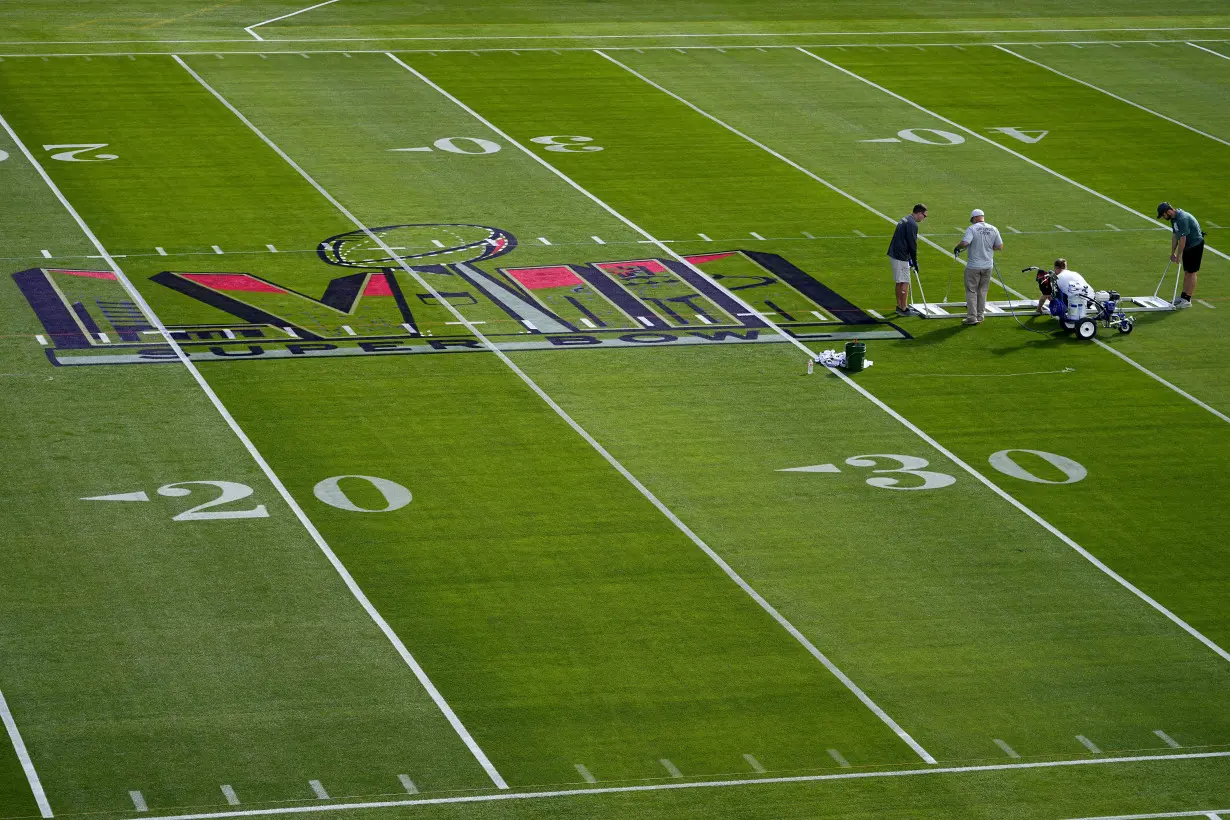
(653,499)
(23,755)
(1115,96)
(264,466)
(1000,146)
(709,784)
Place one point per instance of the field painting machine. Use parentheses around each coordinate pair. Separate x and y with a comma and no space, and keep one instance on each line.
(1074,303)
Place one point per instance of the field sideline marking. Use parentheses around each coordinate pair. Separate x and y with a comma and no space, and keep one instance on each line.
(633,480)
(1211,51)
(854,688)
(283,17)
(346,577)
(952,456)
(1115,96)
(1054,173)
(710,784)
(23,755)
(505,49)
(628,36)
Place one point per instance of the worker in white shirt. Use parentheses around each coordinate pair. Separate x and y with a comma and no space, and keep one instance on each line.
(983,239)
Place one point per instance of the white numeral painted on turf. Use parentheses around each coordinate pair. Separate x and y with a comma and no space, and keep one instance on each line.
(910,465)
(1003,461)
(1025,136)
(231,491)
(4,155)
(944,137)
(451,145)
(78,148)
(395,495)
(566,144)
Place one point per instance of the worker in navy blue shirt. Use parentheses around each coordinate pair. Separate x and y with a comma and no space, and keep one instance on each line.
(1186,244)
(903,255)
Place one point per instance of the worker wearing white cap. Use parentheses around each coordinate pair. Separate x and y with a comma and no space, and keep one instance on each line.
(983,239)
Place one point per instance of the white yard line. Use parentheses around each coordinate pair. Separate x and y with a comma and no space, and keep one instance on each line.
(1160,380)
(645,491)
(1209,50)
(711,784)
(1114,96)
(23,754)
(283,17)
(336,562)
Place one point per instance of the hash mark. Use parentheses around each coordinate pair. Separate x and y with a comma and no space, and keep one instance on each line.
(1167,739)
(809,236)
(138,801)
(671,768)
(544,240)
(1206,304)
(272,249)
(1062,228)
(160,251)
(841,761)
(230,795)
(318,790)
(1089,744)
(598,239)
(408,784)
(701,235)
(585,775)
(755,764)
(216,249)
(1014,230)
(1008,750)
(437,243)
(874,313)
(349,330)
(756,235)
(46,254)
(1112,227)
(860,233)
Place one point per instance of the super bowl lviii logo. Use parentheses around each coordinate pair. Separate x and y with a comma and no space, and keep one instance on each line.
(405,288)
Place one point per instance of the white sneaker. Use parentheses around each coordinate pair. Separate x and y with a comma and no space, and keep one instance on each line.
(1181,303)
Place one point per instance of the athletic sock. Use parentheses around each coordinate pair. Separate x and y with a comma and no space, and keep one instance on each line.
(1185,296)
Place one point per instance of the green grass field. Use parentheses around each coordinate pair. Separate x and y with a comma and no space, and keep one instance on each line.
(401,406)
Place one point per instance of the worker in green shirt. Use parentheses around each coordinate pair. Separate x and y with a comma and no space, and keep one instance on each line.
(1186,244)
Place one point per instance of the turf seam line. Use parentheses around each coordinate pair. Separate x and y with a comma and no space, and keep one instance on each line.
(711,784)
(349,581)
(1113,95)
(23,754)
(998,145)
(353,585)
(644,490)
(283,17)
(1055,173)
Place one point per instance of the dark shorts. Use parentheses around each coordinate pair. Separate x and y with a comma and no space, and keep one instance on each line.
(1192,257)
(1044,284)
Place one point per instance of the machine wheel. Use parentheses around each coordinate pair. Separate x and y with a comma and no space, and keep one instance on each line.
(1086,328)
(1126,327)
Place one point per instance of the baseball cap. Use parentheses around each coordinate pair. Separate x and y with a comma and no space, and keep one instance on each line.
(976,212)
(1163,208)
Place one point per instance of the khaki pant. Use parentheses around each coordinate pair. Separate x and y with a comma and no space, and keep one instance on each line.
(977,283)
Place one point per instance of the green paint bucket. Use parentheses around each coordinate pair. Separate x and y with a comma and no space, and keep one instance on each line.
(856,352)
